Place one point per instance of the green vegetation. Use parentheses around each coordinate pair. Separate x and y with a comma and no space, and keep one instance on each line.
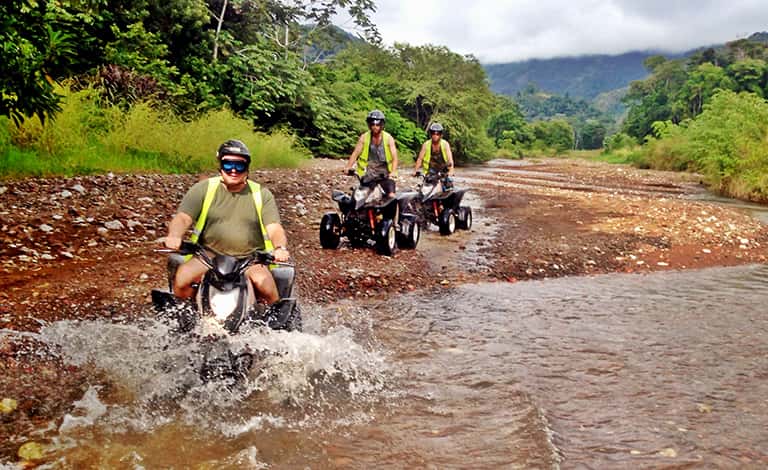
(156,85)
(706,114)
(203,70)
(88,138)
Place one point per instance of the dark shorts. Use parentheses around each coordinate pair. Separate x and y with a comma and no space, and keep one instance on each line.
(387,184)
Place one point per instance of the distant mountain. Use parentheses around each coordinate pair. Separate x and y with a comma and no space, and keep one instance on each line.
(759,37)
(584,77)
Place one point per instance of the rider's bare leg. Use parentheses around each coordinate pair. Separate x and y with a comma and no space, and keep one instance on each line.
(188,273)
(263,283)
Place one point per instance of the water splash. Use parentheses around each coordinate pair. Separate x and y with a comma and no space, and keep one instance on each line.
(146,393)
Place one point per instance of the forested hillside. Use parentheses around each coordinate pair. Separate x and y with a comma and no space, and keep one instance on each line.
(583,77)
(706,113)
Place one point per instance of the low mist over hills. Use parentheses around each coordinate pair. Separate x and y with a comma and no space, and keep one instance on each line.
(584,77)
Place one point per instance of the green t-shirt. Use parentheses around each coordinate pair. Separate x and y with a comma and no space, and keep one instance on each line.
(232,226)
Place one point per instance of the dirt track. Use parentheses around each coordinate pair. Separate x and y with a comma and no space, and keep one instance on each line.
(82,247)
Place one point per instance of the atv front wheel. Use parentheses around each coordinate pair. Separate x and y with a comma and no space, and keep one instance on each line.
(410,233)
(464,218)
(447,222)
(330,231)
(386,238)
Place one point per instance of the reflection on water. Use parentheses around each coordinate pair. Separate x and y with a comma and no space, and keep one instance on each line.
(624,370)
(758,211)
(616,371)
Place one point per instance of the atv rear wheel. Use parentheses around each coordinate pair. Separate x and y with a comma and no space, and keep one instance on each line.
(330,231)
(447,222)
(386,238)
(464,218)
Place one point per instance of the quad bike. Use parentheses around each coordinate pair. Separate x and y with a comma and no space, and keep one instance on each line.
(225,300)
(440,203)
(368,216)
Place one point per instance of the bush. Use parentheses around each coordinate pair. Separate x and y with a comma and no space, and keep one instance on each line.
(730,142)
(87,138)
(727,143)
(5,134)
(614,142)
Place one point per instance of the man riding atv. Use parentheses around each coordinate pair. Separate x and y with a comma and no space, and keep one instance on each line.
(375,155)
(435,156)
(234,216)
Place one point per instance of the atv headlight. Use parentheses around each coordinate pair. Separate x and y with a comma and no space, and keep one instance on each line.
(223,303)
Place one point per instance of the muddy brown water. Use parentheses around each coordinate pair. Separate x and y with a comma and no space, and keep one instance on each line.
(616,371)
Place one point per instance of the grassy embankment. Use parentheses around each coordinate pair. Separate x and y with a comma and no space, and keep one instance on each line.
(86,138)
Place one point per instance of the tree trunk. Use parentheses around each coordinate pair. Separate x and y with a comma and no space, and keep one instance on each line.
(218,30)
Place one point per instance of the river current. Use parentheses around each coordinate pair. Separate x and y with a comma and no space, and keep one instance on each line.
(615,371)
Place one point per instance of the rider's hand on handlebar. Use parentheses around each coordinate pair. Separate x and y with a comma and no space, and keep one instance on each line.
(174,243)
(281,254)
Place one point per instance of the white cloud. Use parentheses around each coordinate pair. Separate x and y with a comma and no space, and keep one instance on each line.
(508,30)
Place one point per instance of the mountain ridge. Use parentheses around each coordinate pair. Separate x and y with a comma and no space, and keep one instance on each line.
(585,76)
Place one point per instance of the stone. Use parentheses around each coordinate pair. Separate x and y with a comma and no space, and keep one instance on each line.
(114,225)
(31,451)
(8,405)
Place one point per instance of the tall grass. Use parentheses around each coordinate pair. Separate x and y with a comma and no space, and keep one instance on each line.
(87,138)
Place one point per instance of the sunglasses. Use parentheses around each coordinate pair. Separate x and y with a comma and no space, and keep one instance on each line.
(238,166)
(375,123)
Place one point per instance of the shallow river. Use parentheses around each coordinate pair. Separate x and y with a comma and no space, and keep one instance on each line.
(616,371)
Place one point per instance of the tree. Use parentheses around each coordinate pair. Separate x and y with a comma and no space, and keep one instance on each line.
(556,134)
(592,134)
(33,51)
(508,124)
(652,99)
(750,75)
(284,22)
(701,84)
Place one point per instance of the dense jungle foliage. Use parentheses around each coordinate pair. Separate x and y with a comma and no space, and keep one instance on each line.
(76,73)
(706,113)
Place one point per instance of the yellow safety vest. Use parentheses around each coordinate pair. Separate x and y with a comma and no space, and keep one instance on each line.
(362,160)
(428,154)
(213,185)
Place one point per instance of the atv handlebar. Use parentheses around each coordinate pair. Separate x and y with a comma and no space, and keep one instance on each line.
(195,249)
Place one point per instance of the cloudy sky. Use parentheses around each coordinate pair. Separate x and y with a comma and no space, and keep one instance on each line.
(510,30)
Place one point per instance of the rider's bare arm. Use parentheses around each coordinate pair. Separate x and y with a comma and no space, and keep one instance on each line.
(280,241)
(393,149)
(420,158)
(176,230)
(355,153)
(449,158)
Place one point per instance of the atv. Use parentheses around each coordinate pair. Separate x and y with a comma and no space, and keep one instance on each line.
(368,217)
(224,302)
(439,203)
